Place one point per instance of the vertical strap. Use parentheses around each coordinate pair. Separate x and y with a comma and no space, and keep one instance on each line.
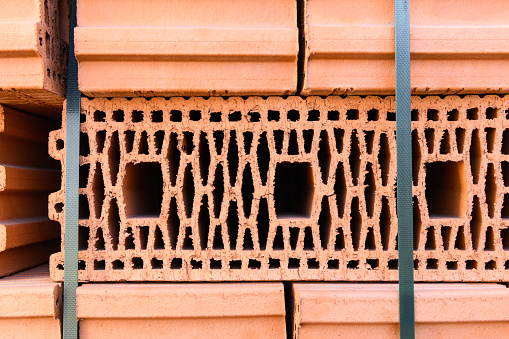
(404,163)
(72,139)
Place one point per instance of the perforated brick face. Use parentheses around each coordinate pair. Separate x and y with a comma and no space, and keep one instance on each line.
(287,189)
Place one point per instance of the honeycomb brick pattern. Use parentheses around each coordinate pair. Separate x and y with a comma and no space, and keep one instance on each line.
(286,189)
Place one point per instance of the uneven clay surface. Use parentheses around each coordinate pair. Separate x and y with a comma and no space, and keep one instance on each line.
(27,176)
(286,189)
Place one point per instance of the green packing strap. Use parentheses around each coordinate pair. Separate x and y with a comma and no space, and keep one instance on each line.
(72,147)
(404,175)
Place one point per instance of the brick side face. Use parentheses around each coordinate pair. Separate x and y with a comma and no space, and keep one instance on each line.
(286,189)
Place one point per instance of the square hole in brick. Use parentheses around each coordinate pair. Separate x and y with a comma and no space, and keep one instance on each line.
(274,263)
(176,264)
(353,264)
(313,264)
(333,264)
(235,264)
(82,265)
(451,265)
(156,264)
(215,264)
(294,263)
(143,189)
(254,264)
(117,265)
(432,264)
(446,189)
(471,265)
(393,264)
(293,189)
(372,264)
(99,265)
(137,263)
(196,264)
(333,115)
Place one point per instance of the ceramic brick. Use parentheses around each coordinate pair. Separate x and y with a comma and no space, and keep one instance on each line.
(27,176)
(31,305)
(223,310)
(207,48)
(286,189)
(456,47)
(33,54)
(343,310)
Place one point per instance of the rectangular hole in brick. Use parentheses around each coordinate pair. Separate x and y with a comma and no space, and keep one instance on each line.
(232,222)
(118,115)
(491,113)
(143,145)
(385,223)
(369,190)
(460,139)
(196,264)
(453,115)
(491,190)
(173,158)
(143,236)
(176,264)
(355,223)
(254,116)
(471,265)
(100,138)
(247,190)
(373,115)
(98,190)
(446,232)
(84,235)
(175,116)
(340,189)
(215,116)
(157,116)
(84,145)
(248,140)
(445,143)
(235,116)
(415,115)
(99,240)
(84,172)
(235,264)
(129,141)
(188,190)
(314,115)
(143,189)
(490,139)
(505,142)
(83,118)
(129,239)
(354,158)
(432,115)
(82,265)
(114,157)
(263,223)
(446,188)
(278,140)
(369,137)
(333,264)
(84,210)
(451,265)
(273,115)
(505,172)
(293,115)
(475,156)
(233,158)
(391,116)
(218,141)
(99,116)
(384,158)
(274,263)
(416,158)
(416,264)
(307,135)
(372,263)
(353,265)
(473,113)
(352,114)
(489,244)
(254,264)
(490,265)
(506,265)
(158,141)
(430,240)
(117,265)
(137,263)
(218,190)
(156,264)
(333,115)
(293,146)
(417,223)
(263,157)
(137,116)
(99,265)
(204,222)
(215,264)
(293,263)
(294,237)
(324,155)
(187,142)
(432,264)
(204,157)
(195,115)
(293,189)
(504,236)
(429,133)
(392,264)
(338,136)
(313,264)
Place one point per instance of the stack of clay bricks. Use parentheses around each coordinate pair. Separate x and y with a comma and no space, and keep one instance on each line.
(252,144)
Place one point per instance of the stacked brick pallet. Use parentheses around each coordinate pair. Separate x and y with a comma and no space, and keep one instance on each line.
(196,166)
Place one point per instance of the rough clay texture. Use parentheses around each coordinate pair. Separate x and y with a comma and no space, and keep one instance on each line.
(31,305)
(223,310)
(348,47)
(33,55)
(27,176)
(196,47)
(286,189)
(371,311)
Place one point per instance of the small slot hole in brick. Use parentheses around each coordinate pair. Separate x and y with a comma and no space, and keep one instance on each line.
(98,190)
(445,144)
(247,190)
(293,146)
(491,113)
(263,223)
(353,265)
(84,145)
(173,158)
(137,263)
(187,142)
(254,264)
(472,113)
(504,236)
(278,244)
(324,222)
(263,157)
(218,141)
(460,139)
(84,234)
(460,243)
(293,263)
(339,243)
(143,236)
(307,135)
(233,158)
(432,115)
(143,146)
(158,239)
(333,264)
(195,115)
(60,144)
(248,244)
(143,189)
(385,223)
(158,141)
(505,142)
(429,133)
(273,115)
(352,114)
(215,264)
(373,115)
(491,190)
(355,223)
(129,141)
(118,115)
(393,264)
(175,116)
(293,189)
(372,264)
(217,243)
(369,137)
(505,172)
(82,265)
(308,239)
(471,265)
(453,115)
(430,240)
(278,140)
(416,264)
(84,172)
(415,115)
(204,158)
(176,264)
(99,240)
(324,156)
(370,243)
(129,239)
(254,116)
(340,189)
(99,265)
(232,223)
(117,265)
(84,210)
(490,139)
(475,156)
(391,116)
(446,236)
(417,222)
(354,158)
(204,222)
(293,115)
(215,117)
(248,140)
(173,223)
(188,190)
(446,189)
(114,157)
(156,264)
(432,264)
(369,190)
(235,264)
(274,263)
(333,115)
(489,244)
(451,265)
(99,116)
(157,116)
(384,158)
(196,264)
(235,116)
(59,207)
(218,190)
(314,115)
(416,158)
(490,265)
(137,116)
(294,237)
(313,264)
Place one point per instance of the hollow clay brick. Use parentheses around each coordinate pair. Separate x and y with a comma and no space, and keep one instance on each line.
(33,54)
(198,47)
(345,310)
(27,176)
(223,310)
(456,47)
(286,189)
(31,305)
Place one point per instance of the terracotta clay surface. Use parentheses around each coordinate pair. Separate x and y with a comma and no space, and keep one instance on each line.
(33,54)
(198,47)
(286,189)
(31,305)
(27,176)
(242,310)
(343,310)
(456,47)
